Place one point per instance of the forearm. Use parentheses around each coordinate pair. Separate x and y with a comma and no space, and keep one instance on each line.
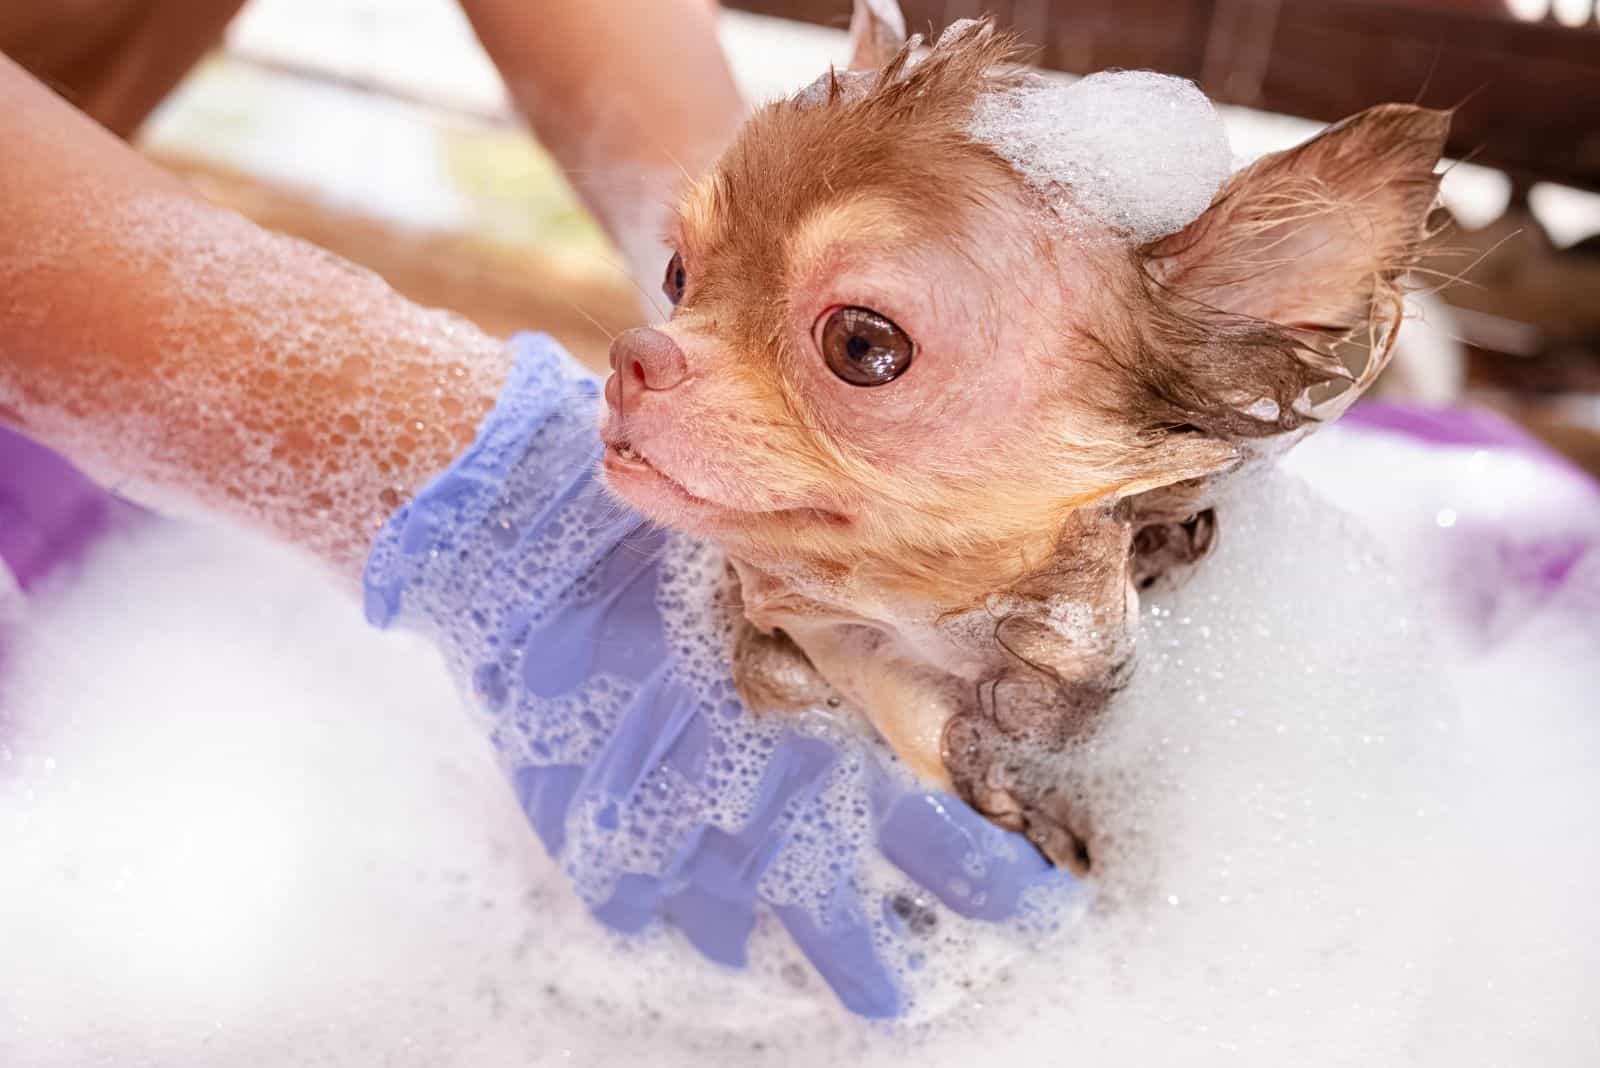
(631,96)
(116,60)
(186,356)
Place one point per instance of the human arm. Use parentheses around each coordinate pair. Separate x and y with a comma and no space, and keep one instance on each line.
(116,60)
(186,356)
(630,96)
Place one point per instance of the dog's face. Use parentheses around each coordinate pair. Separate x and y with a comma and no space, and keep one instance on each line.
(847,376)
(865,342)
(879,358)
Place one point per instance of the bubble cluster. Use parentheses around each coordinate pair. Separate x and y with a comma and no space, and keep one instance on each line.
(1138,152)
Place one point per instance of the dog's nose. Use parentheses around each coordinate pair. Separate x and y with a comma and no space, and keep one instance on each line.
(647,358)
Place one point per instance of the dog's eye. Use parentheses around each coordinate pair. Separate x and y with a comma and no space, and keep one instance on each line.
(864,348)
(673,284)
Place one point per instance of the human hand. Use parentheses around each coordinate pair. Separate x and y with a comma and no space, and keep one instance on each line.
(597,646)
(713,878)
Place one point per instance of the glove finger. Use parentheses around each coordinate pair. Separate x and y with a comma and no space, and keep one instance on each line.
(635,900)
(717,926)
(621,627)
(842,953)
(715,873)
(663,715)
(545,794)
(48,511)
(974,867)
(721,871)
(658,718)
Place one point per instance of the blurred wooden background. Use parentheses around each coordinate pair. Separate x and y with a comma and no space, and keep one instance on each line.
(1529,92)
(378,129)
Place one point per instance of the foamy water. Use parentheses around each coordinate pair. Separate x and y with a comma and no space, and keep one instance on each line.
(240,828)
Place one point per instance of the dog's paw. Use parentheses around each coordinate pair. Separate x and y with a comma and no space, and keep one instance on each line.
(1012,761)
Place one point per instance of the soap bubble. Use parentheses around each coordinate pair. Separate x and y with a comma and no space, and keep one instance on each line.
(1138,152)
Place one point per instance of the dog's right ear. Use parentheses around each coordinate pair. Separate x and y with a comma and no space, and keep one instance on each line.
(877,32)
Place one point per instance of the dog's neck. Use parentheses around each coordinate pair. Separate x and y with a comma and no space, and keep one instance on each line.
(911,656)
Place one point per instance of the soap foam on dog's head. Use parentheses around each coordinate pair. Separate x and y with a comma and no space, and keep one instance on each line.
(1138,152)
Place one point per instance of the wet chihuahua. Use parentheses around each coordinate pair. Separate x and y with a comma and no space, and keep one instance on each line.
(943,445)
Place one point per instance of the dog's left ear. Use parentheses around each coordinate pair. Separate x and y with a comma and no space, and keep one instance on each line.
(1306,238)
(1297,252)
(877,32)
(1300,250)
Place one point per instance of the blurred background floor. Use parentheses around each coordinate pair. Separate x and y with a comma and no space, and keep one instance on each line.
(380,130)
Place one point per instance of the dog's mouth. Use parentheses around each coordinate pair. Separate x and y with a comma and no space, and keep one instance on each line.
(633,477)
(629,468)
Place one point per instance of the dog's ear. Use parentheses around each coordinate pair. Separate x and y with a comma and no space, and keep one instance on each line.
(1248,303)
(1297,252)
(877,32)
(1307,238)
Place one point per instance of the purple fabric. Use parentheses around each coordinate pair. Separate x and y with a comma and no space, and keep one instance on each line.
(1467,427)
(1494,568)
(49,512)
(1442,426)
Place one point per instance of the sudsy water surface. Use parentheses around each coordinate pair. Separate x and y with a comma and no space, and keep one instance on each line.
(240,828)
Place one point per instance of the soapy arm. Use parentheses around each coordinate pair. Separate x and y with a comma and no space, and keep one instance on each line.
(187,357)
(630,96)
(633,97)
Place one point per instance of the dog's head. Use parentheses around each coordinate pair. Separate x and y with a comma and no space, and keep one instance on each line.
(887,351)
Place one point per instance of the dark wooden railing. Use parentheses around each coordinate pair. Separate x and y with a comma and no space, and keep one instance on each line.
(1528,93)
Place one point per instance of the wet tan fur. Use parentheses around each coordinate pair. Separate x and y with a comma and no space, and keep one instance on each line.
(935,612)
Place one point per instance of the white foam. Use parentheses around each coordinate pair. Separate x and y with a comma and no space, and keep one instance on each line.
(240,829)
(11,602)
(1139,152)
